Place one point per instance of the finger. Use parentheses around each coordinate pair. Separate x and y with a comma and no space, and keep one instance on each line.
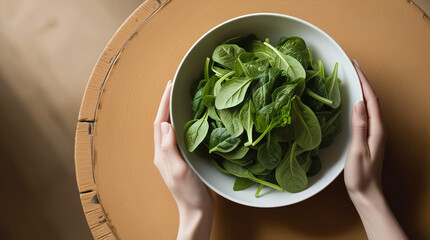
(376,129)
(359,127)
(370,97)
(169,147)
(163,113)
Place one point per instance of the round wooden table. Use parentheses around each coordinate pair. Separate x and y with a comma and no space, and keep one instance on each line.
(122,193)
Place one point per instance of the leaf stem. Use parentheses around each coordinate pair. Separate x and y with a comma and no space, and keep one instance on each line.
(207,68)
(261,136)
(318,97)
(255,179)
(258,190)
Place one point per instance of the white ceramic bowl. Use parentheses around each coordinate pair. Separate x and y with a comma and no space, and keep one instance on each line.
(273,26)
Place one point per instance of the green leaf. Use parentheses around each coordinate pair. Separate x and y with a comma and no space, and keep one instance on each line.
(208,89)
(219,71)
(242,184)
(290,65)
(289,175)
(290,44)
(226,54)
(307,129)
(206,71)
(242,172)
(221,141)
(279,118)
(294,47)
(256,168)
(284,134)
(196,131)
(236,170)
(315,167)
(213,113)
(236,154)
(282,95)
(246,116)
(305,160)
(269,154)
(232,92)
(332,86)
(198,107)
(219,82)
(230,119)
(263,86)
(263,117)
(235,40)
(239,66)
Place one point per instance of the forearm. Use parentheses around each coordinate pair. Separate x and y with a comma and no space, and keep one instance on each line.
(195,224)
(377,217)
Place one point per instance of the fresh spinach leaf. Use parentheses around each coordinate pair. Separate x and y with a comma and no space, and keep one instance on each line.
(242,172)
(242,184)
(315,167)
(230,119)
(196,131)
(290,65)
(289,175)
(307,130)
(332,86)
(236,154)
(220,81)
(232,92)
(269,154)
(222,141)
(264,84)
(226,54)
(304,160)
(246,117)
(240,67)
(198,107)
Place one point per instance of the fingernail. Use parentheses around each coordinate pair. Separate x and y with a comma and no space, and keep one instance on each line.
(356,63)
(359,108)
(165,128)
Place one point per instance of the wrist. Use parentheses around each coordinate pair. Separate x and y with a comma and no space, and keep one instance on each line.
(195,223)
(372,198)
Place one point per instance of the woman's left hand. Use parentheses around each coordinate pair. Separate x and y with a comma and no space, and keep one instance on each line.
(195,202)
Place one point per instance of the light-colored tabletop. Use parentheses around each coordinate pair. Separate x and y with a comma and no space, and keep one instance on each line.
(122,193)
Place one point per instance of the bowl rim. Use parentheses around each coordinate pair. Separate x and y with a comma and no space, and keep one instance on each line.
(330,179)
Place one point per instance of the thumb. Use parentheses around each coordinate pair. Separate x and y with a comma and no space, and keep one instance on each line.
(168,141)
(359,125)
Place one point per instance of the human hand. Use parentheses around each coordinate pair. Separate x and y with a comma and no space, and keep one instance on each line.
(195,202)
(366,153)
(364,164)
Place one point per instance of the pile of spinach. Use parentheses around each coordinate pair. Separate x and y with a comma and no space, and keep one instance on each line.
(261,112)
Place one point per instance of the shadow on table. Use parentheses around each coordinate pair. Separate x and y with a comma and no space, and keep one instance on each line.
(404,181)
(327,214)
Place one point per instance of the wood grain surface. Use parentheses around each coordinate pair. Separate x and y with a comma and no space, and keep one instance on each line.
(392,45)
